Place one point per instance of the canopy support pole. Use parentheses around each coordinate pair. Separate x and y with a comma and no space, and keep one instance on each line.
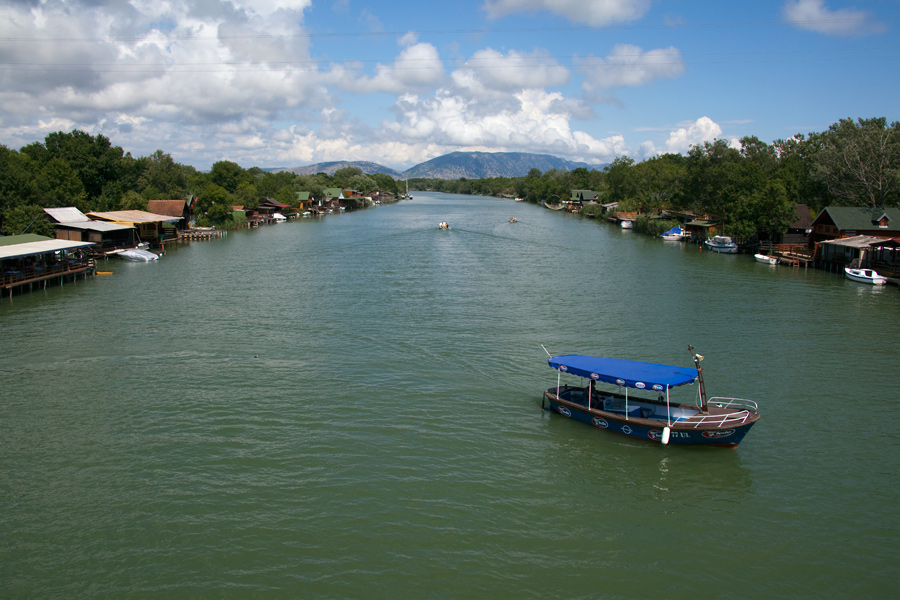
(626,402)
(668,410)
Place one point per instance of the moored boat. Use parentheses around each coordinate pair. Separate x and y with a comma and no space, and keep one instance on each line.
(676,234)
(764,258)
(865,276)
(710,421)
(138,255)
(626,224)
(721,243)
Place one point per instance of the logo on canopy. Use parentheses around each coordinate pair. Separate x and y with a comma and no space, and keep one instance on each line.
(658,387)
(563,368)
(640,385)
(595,376)
(620,381)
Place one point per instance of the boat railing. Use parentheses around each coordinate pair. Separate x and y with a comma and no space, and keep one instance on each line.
(738,403)
(743,409)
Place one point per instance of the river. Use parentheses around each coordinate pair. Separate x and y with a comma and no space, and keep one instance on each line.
(350,407)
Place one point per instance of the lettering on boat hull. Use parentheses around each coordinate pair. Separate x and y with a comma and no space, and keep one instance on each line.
(601,423)
(718,434)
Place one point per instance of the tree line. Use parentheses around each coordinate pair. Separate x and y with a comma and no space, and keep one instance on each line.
(88,172)
(751,188)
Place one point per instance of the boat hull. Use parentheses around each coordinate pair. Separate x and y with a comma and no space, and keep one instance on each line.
(722,249)
(865,276)
(649,430)
(138,255)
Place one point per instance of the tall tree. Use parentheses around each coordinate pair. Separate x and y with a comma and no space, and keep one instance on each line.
(168,178)
(859,162)
(227,175)
(621,180)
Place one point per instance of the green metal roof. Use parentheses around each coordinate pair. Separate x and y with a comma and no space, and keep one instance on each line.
(25,238)
(860,218)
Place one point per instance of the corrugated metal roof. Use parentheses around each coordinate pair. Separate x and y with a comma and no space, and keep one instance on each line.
(132,216)
(66,214)
(97,226)
(857,241)
(44,247)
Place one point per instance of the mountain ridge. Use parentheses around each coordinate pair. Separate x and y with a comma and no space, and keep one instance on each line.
(455,165)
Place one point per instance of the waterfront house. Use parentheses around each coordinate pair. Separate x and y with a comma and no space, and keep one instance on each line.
(835,222)
(702,229)
(861,227)
(269,207)
(582,196)
(152,228)
(179,209)
(304,200)
(73,225)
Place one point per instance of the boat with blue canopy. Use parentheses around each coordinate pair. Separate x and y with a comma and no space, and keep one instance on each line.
(649,413)
(676,234)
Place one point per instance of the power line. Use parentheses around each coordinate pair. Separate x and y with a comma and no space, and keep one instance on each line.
(362,34)
(474,63)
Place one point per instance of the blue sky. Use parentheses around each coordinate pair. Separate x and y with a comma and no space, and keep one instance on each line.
(285,83)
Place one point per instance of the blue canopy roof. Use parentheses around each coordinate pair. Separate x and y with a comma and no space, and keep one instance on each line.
(674,231)
(622,372)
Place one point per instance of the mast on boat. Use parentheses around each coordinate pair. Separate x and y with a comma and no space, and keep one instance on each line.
(697,358)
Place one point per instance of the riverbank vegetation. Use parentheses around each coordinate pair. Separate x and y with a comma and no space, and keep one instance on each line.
(751,187)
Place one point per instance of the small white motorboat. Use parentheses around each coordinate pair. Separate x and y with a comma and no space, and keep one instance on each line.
(764,258)
(865,276)
(138,255)
(279,218)
(626,225)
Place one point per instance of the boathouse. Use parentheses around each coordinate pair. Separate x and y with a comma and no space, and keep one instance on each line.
(73,225)
(31,260)
(151,227)
(862,251)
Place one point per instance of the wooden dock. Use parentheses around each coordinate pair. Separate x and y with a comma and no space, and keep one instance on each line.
(202,233)
(790,254)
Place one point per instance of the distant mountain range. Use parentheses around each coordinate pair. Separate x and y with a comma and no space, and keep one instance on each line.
(456,165)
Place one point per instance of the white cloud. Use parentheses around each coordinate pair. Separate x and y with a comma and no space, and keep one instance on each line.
(630,66)
(813,15)
(593,12)
(416,65)
(489,69)
(702,130)
(533,124)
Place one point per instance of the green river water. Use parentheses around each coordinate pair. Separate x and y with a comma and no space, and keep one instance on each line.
(350,407)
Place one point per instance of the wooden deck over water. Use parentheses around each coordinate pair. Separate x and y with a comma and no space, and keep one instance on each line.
(14,279)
